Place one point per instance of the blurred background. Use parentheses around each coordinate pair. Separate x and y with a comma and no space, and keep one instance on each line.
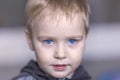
(102,53)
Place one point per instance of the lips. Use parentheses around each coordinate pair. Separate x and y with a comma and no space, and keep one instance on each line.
(60,67)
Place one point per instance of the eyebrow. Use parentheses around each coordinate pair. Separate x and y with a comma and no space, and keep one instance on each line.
(78,36)
(68,37)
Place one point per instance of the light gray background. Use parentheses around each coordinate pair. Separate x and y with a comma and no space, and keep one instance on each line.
(103,45)
(12,12)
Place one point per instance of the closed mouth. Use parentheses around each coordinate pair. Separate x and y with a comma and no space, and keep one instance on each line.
(60,67)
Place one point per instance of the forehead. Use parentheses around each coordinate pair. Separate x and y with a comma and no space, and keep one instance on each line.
(59,25)
(49,15)
(59,18)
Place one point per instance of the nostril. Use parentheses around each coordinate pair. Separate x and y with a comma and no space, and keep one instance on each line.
(60,55)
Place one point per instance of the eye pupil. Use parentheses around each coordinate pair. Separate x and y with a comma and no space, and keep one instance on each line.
(72,41)
(48,41)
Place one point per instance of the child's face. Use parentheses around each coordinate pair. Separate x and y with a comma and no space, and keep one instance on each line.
(58,45)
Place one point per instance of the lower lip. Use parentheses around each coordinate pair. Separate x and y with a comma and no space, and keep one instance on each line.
(59,67)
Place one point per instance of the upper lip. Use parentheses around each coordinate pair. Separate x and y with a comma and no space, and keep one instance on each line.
(60,64)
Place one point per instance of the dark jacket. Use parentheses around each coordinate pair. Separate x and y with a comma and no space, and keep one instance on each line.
(33,72)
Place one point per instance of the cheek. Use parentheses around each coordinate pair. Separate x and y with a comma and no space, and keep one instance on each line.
(76,55)
(43,54)
(76,60)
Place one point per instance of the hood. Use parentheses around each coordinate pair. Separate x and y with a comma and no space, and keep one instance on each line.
(33,69)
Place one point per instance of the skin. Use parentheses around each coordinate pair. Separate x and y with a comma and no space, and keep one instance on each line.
(57,42)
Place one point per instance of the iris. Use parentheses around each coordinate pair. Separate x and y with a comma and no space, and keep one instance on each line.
(48,42)
(72,41)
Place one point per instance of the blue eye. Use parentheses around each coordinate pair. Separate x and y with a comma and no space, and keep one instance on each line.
(72,41)
(48,42)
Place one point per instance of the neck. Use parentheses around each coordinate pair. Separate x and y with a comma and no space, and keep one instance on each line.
(62,79)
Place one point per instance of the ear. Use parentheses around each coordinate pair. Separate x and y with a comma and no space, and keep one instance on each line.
(29,39)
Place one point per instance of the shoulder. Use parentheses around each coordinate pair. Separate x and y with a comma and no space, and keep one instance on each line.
(24,76)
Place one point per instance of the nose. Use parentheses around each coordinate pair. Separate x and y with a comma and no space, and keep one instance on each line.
(60,52)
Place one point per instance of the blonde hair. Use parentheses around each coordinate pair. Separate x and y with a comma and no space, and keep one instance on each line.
(39,8)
